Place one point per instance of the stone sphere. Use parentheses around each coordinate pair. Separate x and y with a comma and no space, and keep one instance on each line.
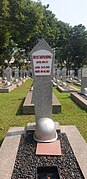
(58,81)
(16,80)
(85,91)
(45,130)
(64,84)
(8,83)
(80,81)
(4,78)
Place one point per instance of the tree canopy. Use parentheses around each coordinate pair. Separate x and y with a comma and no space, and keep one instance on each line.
(23,22)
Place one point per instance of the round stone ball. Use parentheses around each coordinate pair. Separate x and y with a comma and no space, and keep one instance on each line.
(85,91)
(45,130)
(64,84)
(8,83)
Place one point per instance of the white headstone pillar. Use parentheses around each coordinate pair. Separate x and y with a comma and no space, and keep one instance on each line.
(42,64)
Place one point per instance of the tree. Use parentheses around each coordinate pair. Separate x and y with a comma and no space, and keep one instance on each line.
(23,22)
(4,30)
(26,19)
(63,44)
(72,46)
(78,39)
(49,30)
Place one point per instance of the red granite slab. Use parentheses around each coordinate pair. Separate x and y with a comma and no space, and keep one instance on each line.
(51,148)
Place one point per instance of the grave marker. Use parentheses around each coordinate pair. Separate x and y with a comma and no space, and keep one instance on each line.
(79,75)
(4,73)
(16,71)
(84,79)
(58,73)
(42,67)
(21,73)
(8,74)
(24,73)
(64,75)
(71,74)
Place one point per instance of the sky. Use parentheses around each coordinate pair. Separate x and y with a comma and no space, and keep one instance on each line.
(73,12)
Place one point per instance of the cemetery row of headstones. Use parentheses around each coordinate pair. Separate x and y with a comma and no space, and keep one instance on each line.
(81,78)
(59,72)
(9,74)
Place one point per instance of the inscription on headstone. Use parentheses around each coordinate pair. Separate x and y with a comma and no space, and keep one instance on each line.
(42,61)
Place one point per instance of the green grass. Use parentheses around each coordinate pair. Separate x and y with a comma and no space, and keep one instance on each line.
(11,111)
(71,114)
(78,87)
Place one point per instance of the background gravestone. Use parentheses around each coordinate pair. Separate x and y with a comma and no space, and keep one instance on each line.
(71,74)
(8,74)
(42,67)
(24,73)
(21,73)
(57,73)
(4,73)
(79,75)
(84,79)
(16,71)
(64,75)
(29,72)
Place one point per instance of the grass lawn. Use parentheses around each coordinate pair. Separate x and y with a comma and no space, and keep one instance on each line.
(11,111)
(78,87)
(71,114)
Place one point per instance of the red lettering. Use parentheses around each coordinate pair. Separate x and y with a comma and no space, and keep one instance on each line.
(38,62)
(33,57)
(43,66)
(37,71)
(37,67)
(47,71)
(42,57)
(47,67)
(48,56)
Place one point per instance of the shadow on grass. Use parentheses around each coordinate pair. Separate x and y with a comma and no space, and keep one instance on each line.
(20,109)
(1,140)
(78,105)
(65,97)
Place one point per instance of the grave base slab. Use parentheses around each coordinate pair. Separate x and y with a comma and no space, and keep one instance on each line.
(79,100)
(7,89)
(9,148)
(67,89)
(28,106)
